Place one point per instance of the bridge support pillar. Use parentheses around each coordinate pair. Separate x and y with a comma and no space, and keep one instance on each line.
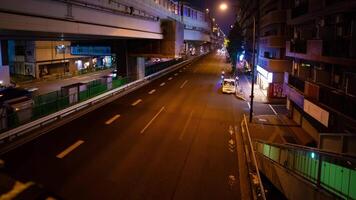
(120,54)
(137,67)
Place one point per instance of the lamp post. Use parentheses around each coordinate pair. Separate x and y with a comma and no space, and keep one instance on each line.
(253,68)
(224,7)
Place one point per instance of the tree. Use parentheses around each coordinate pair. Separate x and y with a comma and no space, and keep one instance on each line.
(235,43)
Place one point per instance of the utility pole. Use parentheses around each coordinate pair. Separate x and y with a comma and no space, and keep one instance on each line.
(253,68)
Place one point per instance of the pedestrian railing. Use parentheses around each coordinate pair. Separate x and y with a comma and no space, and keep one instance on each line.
(255,178)
(333,172)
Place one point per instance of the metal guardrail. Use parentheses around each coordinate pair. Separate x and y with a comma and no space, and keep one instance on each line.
(30,126)
(258,190)
(325,170)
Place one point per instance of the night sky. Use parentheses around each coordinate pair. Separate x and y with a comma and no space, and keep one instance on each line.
(223,18)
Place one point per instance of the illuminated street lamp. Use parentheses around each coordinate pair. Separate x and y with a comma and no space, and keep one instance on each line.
(223,6)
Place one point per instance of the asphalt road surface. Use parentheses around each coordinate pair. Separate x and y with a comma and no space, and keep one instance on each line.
(167,140)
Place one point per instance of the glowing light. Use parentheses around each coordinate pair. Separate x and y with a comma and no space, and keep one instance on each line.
(312,155)
(223,6)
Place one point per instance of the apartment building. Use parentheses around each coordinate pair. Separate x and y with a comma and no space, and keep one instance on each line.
(321,83)
(272,63)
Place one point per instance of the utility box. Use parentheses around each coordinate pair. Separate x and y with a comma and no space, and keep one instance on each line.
(20,109)
(107,80)
(72,91)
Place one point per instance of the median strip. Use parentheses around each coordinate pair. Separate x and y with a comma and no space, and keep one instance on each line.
(112,119)
(70,149)
(150,122)
(136,102)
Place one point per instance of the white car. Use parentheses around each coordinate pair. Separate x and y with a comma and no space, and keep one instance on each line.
(228,85)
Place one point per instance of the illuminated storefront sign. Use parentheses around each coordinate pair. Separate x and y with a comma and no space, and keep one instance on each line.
(268,76)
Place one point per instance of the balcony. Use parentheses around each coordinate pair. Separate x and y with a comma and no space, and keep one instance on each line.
(274,17)
(272,41)
(329,97)
(274,65)
(296,83)
(320,51)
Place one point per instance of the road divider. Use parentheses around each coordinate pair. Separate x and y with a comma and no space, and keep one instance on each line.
(111,120)
(150,122)
(136,102)
(70,149)
(33,129)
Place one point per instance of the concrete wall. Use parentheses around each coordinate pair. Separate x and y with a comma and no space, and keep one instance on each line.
(292,186)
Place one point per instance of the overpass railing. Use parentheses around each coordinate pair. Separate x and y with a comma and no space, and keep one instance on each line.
(333,172)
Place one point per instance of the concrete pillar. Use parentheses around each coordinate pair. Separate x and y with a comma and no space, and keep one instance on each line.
(140,67)
(119,49)
(4,64)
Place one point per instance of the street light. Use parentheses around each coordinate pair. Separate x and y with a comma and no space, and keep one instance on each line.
(223,6)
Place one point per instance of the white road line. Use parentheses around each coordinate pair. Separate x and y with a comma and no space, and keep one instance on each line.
(150,122)
(112,119)
(152,91)
(69,149)
(185,82)
(186,125)
(249,106)
(136,102)
(162,84)
(274,111)
(176,74)
(170,78)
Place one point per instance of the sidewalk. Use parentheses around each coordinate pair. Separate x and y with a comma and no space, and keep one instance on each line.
(47,86)
(245,90)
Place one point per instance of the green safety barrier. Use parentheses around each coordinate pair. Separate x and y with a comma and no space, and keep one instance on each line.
(55,101)
(337,175)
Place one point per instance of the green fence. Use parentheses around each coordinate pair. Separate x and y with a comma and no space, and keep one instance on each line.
(337,174)
(55,101)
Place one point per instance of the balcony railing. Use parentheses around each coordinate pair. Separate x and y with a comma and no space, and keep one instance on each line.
(298,46)
(297,83)
(338,48)
(326,95)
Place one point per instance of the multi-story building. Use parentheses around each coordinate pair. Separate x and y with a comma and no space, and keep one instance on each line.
(321,84)
(272,63)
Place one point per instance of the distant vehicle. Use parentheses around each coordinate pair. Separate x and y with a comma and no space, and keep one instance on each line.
(228,85)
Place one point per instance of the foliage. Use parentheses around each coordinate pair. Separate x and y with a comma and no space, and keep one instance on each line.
(235,43)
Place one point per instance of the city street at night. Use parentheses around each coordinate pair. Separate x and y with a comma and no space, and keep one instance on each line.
(177,99)
(167,140)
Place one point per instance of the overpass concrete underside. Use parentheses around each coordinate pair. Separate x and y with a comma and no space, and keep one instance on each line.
(26,26)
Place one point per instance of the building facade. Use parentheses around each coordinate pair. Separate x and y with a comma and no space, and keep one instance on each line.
(321,83)
(271,61)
